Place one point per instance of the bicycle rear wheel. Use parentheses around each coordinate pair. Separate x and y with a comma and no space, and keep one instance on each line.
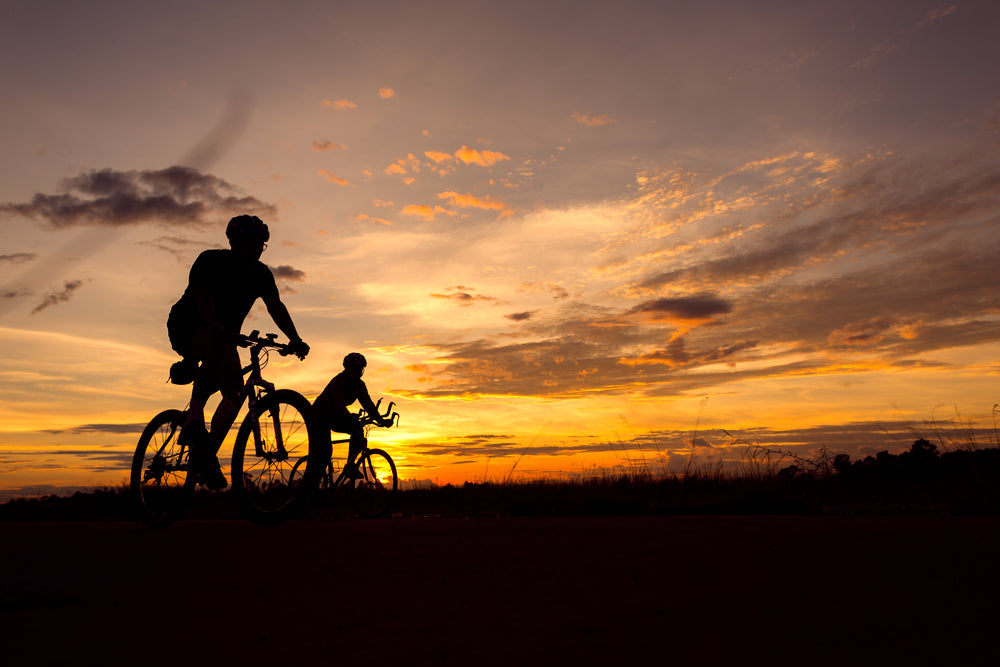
(159,481)
(268,480)
(375,492)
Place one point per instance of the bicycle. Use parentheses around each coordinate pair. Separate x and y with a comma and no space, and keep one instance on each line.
(161,480)
(373,493)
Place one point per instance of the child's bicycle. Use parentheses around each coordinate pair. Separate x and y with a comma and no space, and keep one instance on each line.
(278,427)
(372,492)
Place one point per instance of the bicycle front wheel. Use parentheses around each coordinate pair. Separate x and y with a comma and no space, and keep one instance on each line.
(268,456)
(375,492)
(159,483)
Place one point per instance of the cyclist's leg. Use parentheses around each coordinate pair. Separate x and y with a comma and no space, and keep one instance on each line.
(355,447)
(349,425)
(220,368)
(231,385)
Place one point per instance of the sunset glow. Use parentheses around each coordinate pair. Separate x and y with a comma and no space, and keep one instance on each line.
(569,238)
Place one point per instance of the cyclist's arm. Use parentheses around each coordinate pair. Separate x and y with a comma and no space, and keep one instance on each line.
(369,405)
(279,313)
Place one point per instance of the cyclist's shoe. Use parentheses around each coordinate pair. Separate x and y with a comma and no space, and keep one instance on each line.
(202,461)
(210,474)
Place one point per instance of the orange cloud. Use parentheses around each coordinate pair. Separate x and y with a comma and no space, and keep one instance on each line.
(324,145)
(395,169)
(367,218)
(339,105)
(425,212)
(386,93)
(437,157)
(594,121)
(470,201)
(482,158)
(332,178)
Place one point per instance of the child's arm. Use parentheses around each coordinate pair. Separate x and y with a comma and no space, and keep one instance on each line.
(369,406)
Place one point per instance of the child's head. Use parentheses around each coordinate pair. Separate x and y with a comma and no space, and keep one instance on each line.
(354,364)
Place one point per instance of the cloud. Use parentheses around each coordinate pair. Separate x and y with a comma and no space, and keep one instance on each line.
(470,201)
(339,105)
(438,156)
(386,93)
(59,296)
(110,429)
(676,355)
(700,307)
(395,168)
(285,272)
(364,217)
(463,296)
(785,266)
(425,212)
(333,178)
(935,15)
(481,158)
(18,257)
(594,121)
(322,146)
(14,293)
(172,196)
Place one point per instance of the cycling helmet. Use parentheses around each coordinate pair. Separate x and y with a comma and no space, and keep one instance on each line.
(247,228)
(355,359)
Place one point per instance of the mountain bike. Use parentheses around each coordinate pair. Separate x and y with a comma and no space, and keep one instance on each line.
(372,492)
(275,434)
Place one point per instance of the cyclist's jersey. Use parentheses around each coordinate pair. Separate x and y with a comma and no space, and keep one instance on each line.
(234,288)
(340,392)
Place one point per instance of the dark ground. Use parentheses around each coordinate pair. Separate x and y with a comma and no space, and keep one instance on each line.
(748,590)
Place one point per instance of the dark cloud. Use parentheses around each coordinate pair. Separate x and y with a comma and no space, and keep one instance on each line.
(697,307)
(285,272)
(520,317)
(172,196)
(676,354)
(14,293)
(463,296)
(18,257)
(59,296)
(117,429)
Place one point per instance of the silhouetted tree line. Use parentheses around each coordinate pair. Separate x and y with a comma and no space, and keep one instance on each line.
(922,463)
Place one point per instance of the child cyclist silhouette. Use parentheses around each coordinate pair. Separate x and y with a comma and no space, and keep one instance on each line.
(331,406)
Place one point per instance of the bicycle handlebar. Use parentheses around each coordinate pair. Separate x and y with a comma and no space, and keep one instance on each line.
(393,417)
(269,340)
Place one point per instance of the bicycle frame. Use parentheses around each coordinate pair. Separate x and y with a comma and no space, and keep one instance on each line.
(366,421)
(252,397)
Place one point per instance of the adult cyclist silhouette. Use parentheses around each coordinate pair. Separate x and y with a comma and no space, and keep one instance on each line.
(204,326)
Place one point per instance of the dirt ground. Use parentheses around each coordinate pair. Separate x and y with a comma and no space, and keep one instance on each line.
(671,590)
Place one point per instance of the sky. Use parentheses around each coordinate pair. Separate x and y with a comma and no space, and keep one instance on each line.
(571,238)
